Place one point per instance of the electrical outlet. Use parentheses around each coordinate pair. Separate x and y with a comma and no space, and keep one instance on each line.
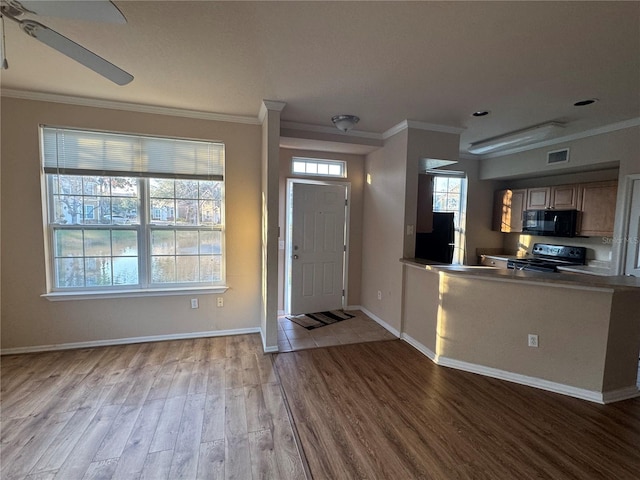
(379,295)
(409,230)
(220,301)
(533,340)
(194,303)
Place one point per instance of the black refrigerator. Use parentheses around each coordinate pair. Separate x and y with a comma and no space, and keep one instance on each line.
(438,245)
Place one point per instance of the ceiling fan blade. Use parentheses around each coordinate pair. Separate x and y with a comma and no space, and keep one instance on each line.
(96,10)
(77,52)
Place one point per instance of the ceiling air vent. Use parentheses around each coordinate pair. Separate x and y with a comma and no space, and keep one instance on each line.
(558,156)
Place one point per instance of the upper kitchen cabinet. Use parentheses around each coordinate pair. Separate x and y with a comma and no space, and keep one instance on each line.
(508,207)
(565,197)
(598,207)
(538,198)
(560,197)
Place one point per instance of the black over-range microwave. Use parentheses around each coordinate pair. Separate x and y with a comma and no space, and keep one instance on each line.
(550,223)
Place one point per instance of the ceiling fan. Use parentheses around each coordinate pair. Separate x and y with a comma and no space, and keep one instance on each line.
(94,10)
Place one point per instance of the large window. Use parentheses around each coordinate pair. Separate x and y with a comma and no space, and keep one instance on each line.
(154,218)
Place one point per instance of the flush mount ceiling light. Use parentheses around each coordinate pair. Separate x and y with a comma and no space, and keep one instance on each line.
(583,103)
(520,137)
(344,123)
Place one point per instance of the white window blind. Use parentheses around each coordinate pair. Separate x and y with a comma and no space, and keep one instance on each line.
(68,151)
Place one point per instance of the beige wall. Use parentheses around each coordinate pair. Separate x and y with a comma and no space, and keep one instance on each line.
(383,229)
(29,320)
(588,337)
(420,306)
(355,176)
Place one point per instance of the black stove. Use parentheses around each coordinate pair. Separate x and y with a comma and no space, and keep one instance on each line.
(547,258)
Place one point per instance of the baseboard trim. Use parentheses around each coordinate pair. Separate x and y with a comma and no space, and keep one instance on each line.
(620,394)
(128,340)
(378,320)
(581,393)
(418,346)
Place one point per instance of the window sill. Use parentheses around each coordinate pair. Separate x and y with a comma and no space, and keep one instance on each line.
(147,292)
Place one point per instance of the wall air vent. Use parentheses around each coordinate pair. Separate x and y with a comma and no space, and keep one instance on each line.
(558,156)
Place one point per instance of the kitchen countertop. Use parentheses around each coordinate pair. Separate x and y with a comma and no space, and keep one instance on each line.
(587,269)
(574,279)
(594,267)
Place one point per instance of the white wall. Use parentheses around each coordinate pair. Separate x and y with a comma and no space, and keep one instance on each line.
(29,320)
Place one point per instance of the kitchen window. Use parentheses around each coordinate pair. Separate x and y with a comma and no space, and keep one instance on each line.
(450,195)
(132,213)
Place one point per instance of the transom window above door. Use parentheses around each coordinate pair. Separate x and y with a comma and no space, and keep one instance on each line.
(318,167)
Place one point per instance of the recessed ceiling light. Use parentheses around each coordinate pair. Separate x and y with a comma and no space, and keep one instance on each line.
(582,103)
(480,113)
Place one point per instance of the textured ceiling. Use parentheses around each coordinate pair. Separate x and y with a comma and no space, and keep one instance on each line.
(434,62)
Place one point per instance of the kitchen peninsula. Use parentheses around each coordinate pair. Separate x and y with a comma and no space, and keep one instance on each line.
(479,319)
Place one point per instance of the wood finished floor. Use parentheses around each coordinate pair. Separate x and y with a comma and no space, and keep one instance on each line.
(382,410)
(189,409)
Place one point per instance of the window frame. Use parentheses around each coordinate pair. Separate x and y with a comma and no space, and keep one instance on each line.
(143,229)
(460,213)
(319,161)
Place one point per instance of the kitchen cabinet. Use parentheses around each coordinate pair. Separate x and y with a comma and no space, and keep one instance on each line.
(424,221)
(598,208)
(560,197)
(565,197)
(508,207)
(489,261)
(538,198)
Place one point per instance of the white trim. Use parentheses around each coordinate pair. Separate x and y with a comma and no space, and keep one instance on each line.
(634,122)
(581,393)
(306,127)
(150,292)
(128,340)
(265,349)
(380,322)
(269,105)
(620,394)
(420,347)
(620,262)
(432,127)
(129,107)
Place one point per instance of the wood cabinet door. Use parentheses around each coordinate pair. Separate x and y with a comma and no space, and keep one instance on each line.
(538,198)
(598,208)
(564,197)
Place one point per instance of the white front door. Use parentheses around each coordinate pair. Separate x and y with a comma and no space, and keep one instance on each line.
(317,247)
(632,264)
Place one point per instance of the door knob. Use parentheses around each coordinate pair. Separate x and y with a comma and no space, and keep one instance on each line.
(295,257)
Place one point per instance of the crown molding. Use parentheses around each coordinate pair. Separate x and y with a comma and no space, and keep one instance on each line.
(432,127)
(613,127)
(129,107)
(306,127)
(269,105)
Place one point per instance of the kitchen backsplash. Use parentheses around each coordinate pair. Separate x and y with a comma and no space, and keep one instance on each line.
(597,247)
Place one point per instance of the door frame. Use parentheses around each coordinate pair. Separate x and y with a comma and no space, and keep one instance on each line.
(288,247)
(621,245)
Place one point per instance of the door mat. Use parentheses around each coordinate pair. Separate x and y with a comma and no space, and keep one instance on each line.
(320,319)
